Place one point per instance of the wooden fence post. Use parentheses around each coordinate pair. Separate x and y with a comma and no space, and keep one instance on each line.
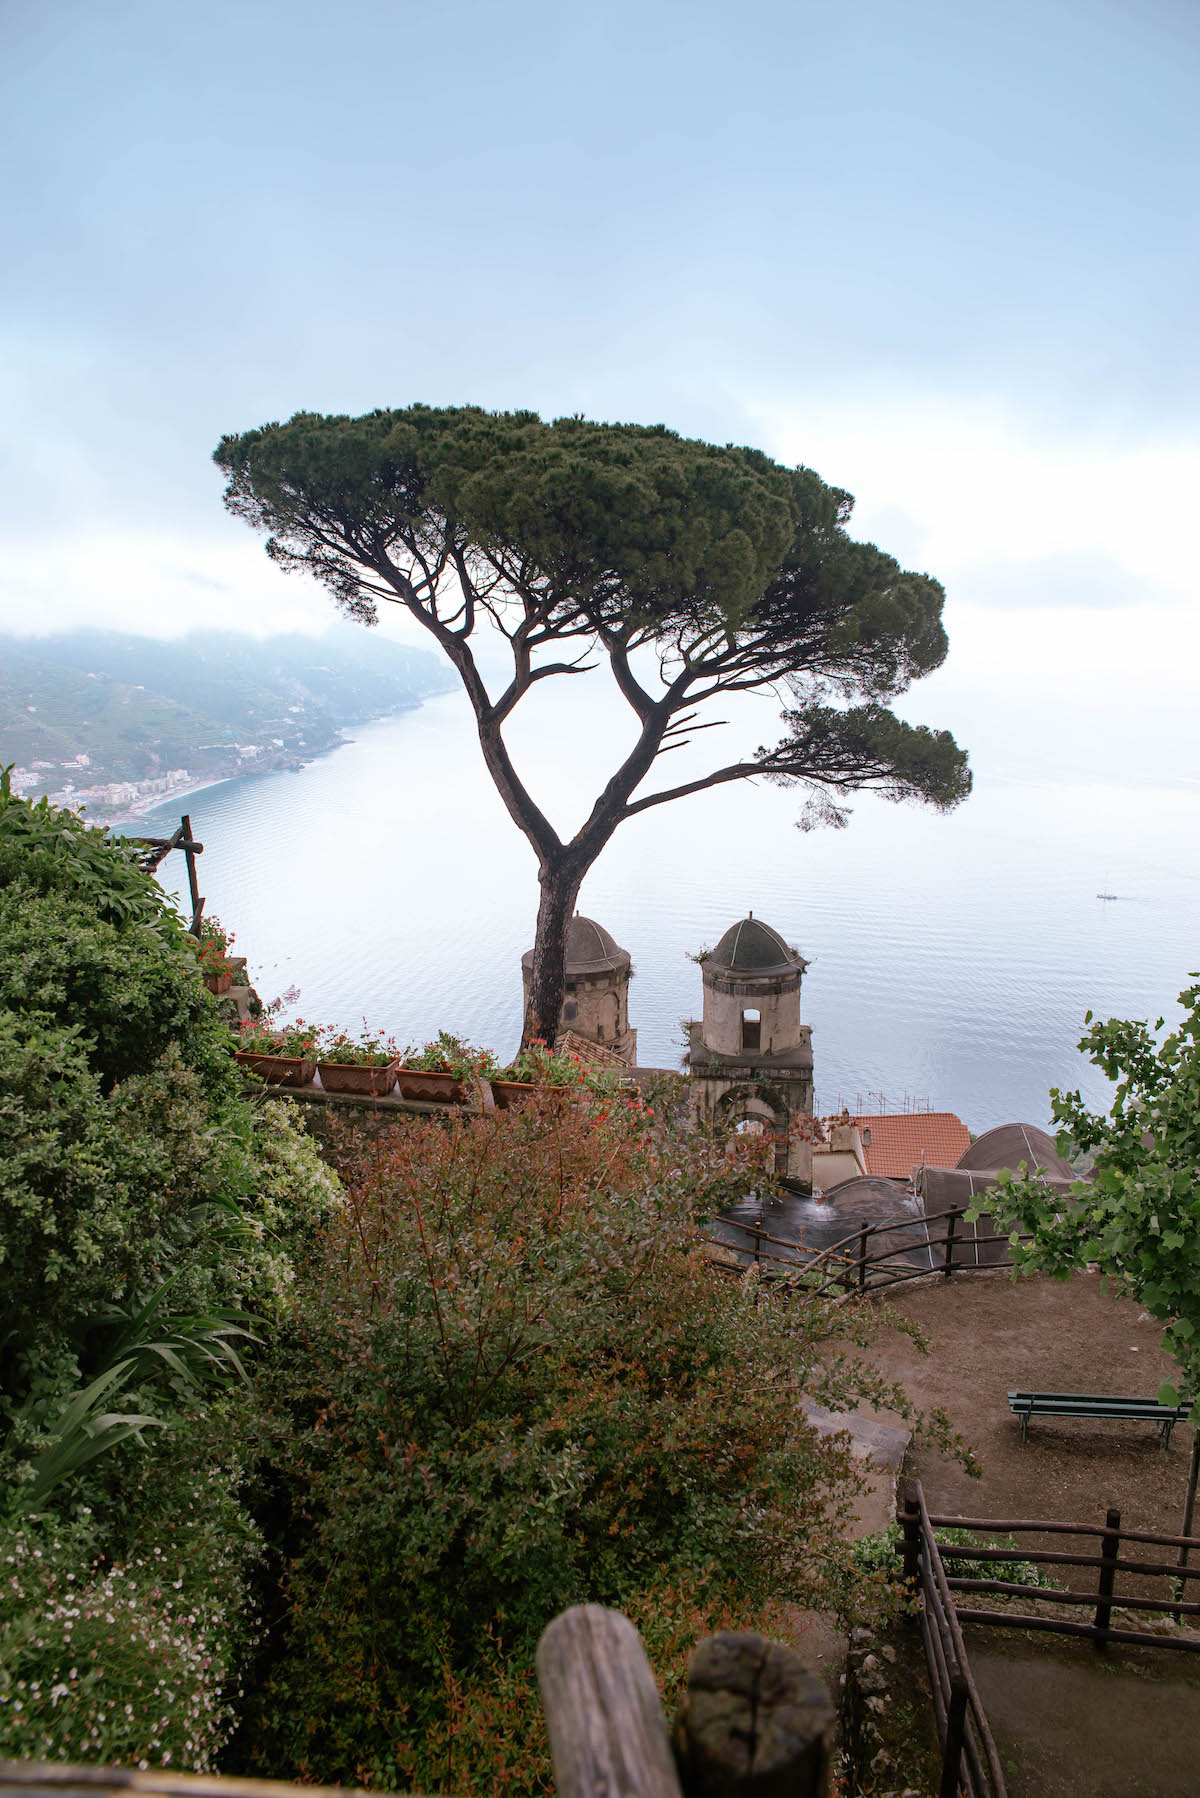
(956,1729)
(1110,1548)
(754,1722)
(606,1727)
(951,1222)
(189,855)
(910,1520)
(1189,1512)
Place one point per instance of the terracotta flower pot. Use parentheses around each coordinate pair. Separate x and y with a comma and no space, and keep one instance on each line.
(508,1094)
(278,1070)
(218,983)
(418,1083)
(356,1077)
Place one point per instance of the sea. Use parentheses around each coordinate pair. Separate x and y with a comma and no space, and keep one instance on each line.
(952,958)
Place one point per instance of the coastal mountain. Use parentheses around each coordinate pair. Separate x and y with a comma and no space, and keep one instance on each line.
(115,723)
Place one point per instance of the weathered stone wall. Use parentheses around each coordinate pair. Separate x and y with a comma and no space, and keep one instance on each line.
(777,1002)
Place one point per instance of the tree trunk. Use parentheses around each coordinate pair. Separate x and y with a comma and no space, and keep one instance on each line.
(560,882)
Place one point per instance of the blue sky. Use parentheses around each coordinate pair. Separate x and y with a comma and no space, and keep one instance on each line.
(946,255)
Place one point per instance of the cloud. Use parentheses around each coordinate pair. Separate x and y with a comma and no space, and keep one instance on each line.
(975,493)
(153,584)
(1072,580)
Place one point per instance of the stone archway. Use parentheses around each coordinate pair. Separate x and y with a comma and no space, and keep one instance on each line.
(758,1108)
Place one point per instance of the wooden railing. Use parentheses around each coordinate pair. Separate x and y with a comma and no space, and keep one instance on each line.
(969,1757)
(855,1263)
(1100,1600)
(754,1721)
(155,850)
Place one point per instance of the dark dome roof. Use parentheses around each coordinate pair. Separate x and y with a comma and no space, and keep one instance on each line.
(1007,1145)
(751,947)
(590,949)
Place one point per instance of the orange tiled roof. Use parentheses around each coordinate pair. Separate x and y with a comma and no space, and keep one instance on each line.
(900,1138)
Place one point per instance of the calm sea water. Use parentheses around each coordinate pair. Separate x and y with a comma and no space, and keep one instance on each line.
(952,958)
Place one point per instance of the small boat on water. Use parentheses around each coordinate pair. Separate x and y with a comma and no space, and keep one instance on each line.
(1108,895)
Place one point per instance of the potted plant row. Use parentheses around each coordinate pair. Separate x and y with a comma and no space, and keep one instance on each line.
(535,1069)
(372,1065)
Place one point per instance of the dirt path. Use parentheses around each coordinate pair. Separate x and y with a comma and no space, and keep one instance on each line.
(1070,1723)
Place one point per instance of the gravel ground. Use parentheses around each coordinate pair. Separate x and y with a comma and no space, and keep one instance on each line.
(989,1335)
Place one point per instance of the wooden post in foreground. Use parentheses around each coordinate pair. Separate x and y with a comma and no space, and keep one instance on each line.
(755,1722)
(608,1735)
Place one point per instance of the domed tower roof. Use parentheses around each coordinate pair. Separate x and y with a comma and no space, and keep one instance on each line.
(752,947)
(590,949)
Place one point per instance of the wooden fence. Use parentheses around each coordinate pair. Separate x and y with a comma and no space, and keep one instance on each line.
(937,1244)
(969,1757)
(155,850)
(754,1721)
(1100,1600)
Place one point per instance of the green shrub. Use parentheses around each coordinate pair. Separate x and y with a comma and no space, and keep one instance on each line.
(54,851)
(879,1555)
(145,1206)
(131,1660)
(134,992)
(512,1382)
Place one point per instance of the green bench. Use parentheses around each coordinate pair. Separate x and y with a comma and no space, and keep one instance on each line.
(1095,1404)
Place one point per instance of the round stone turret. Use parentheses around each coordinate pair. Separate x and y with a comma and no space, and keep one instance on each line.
(752,992)
(596,1001)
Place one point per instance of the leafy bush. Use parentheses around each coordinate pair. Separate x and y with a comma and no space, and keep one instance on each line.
(53,851)
(142,1199)
(513,1382)
(879,1555)
(133,990)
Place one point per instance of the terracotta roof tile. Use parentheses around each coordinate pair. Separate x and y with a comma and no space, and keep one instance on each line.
(900,1140)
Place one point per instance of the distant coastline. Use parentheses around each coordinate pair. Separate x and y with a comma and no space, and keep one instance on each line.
(114,726)
(152,802)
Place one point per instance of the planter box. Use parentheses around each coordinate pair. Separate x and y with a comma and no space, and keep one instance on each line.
(357,1077)
(218,983)
(277,1070)
(508,1094)
(416,1083)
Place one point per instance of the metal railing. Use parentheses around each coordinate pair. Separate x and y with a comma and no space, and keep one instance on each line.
(850,1264)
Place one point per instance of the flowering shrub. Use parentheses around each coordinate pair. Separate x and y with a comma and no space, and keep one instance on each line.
(263,1036)
(450,1055)
(129,1663)
(365,1051)
(212,948)
(512,1382)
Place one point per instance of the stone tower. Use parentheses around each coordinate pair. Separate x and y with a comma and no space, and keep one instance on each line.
(596,1001)
(750,1056)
